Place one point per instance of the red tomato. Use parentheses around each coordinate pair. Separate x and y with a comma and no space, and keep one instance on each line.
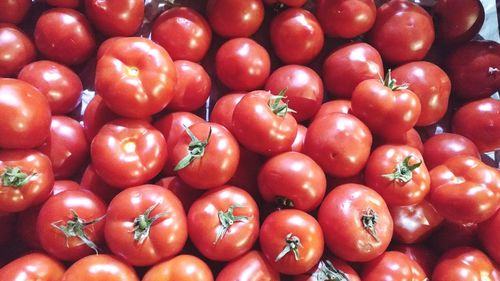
(340,143)
(488,235)
(432,86)
(16,50)
(65,36)
(339,106)
(96,115)
(298,28)
(242,64)
(263,124)
(247,172)
(349,65)
(192,88)
(439,148)
(186,194)
(346,18)
(145,224)
(128,152)
(291,241)
(25,115)
(39,267)
(14,11)
(450,235)
(63,185)
(115,18)
(331,268)
(135,77)
(403,32)
(98,268)
(70,225)
(231,18)
(424,256)
(91,181)
(410,138)
(251,266)
(64,3)
(222,113)
(304,89)
(183,32)
(457,21)
(472,186)
(300,138)
(180,268)
(480,122)
(393,266)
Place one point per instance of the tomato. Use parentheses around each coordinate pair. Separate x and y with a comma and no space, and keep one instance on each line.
(304,89)
(340,143)
(388,109)
(360,230)
(331,268)
(488,232)
(403,32)
(65,36)
(185,193)
(439,148)
(180,268)
(242,64)
(263,124)
(473,69)
(14,11)
(251,266)
(231,18)
(115,18)
(34,266)
(349,65)
(98,268)
(480,122)
(300,138)
(96,115)
(291,241)
(135,77)
(64,3)
(183,32)
(192,88)
(340,106)
(346,18)
(298,28)
(247,172)
(424,256)
(289,3)
(25,113)
(145,224)
(70,225)
(457,24)
(410,138)
(26,179)
(393,266)
(91,181)
(472,186)
(63,185)
(465,263)
(128,152)
(432,86)
(450,235)
(16,50)
(222,113)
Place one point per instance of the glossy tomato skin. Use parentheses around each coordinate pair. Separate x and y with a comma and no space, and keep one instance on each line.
(65,36)
(273,236)
(421,254)
(183,32)
(457,22)
(14,11)
(100,267)
(403,32)
(16,50)
(304,89)
(128,152)
(180,268)
(251,266)
(300,138)
(487,233)
(96,115)
(472,186)
(298,28)
(410,138)
(35,266)
(167,235)
(242,64)
(230,18)
(339,106)
(91,181)
(340,143)
(337,264)
(393,265)
(222,113)
(346,18)
(115,18)
(441,147)
(343,226)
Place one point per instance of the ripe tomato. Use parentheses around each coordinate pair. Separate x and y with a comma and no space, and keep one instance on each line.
(180,268)
(34,266)
(360,230)
(16,50)
(298,28)
(472,186)
(332,269)
(242,64)
(14,11)
(340,143)
(115,18)
(222,113)
(457,22)
(251,266)
(393,266)
(304,89)
(300,138)
(488,231)
(135,77)
(185,193)
(339,106)
(346,18)
(128,152)
(96,115)
(26,179)
(439,148)
(403,32)
(98,268)
(64,35)
(424,256)
(231,18)
(410,138)
(183,32)
(145,224)
(70,225)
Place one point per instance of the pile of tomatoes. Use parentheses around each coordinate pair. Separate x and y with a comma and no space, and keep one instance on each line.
(248,140)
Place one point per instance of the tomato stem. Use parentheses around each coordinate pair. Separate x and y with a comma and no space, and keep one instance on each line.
(327,272)
(292,244)
(279,109)
(227,219)
(196,149)
(284,203)
(403,171)
(14,177)
(369,218)
(142,224)
(389,82)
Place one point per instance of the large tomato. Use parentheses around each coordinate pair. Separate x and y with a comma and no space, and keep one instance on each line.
(393,266)
(251,266)
(99,268)
(96,115)
(16,50)
(91,181)
(346,18)
(300,138)
(115,18)
(410,138)
(223,110)
(231,18)
(441,147)
(339,106)
(330,269)
(14,11)
(488,232)
(180,268)
(39,267)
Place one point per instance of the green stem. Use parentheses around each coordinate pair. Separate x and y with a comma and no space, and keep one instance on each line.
(196,149)
(15,177)
(292,244)
(280,109)
(226,219)
(327,272)
(403,171)
(142,224)
(389,82)
(369,219)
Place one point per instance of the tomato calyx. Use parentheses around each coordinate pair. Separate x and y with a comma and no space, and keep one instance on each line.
(142,224)
(292,244)
(403,171)
(327,272)
(196,149)
(15,177)
(75,227)
(390,83)
(227,219)
(493,70)
(369,218)
(284,203)
(279,109)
